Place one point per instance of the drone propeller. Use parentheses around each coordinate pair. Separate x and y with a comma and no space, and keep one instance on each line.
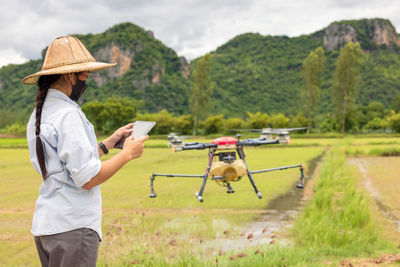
(246,130)
(279,130)
(269,130)
(176,144)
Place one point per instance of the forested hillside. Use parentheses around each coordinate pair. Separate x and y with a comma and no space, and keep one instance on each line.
(251,72)
(147,70)
(263,73)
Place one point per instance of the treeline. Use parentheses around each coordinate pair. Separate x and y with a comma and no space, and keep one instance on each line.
(115,112)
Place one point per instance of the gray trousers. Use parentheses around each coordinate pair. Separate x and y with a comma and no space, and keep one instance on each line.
(73,248)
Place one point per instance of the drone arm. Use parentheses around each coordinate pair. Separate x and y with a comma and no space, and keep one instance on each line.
(256,142)
(300,183)
(276,169)
(178,175)
(198,146)
(191,144)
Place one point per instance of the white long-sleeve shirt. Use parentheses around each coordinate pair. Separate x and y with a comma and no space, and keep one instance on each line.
(72,159)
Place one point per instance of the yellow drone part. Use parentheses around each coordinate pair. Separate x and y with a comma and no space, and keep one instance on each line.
(228,171)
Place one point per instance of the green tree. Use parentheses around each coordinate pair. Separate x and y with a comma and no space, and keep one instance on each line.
(346,78)
(213,124)
(110,115)
(258,120)
(279,121)
(312,67)
(299,120)
(16,128)
(234,123)
(375,109)
(396,103)
(183,124)
(164,121)
(394,122)
(201,89)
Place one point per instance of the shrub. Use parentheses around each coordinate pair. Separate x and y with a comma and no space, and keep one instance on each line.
(258,120)
(15,129)
(279,121)
(299,121)
(394,122)
(163,119)
(234,123)
(213,124)
(108,116)
(183,124)
(377,124)
(329,124)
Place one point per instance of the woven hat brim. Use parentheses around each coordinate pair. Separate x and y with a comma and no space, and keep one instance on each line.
(86,66)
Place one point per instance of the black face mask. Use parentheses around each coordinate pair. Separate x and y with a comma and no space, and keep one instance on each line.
(78,89)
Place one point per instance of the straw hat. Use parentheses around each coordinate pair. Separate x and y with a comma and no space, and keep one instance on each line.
(67,54)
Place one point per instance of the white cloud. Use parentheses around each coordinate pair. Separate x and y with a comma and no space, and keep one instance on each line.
(11,56)
(190,27)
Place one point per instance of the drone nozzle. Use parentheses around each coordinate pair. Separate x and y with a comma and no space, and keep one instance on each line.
(300,184)
(199,197)
(152,194)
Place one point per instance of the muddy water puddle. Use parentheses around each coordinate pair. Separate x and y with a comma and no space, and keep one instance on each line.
(264,230)
(267,227)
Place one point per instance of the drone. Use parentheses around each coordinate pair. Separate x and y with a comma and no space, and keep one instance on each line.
(227,160)
(267,133)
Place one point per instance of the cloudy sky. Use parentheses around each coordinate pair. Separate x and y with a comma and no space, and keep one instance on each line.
(190,27)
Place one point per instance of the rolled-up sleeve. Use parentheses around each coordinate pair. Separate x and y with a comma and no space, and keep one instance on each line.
(76,149)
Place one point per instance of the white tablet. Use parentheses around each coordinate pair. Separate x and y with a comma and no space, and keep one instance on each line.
(141,128)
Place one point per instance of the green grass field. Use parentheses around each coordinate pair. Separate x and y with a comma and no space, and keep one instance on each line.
(171,228)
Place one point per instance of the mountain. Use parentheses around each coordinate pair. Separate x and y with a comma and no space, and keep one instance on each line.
(251,72)
(254,73)
(147,70)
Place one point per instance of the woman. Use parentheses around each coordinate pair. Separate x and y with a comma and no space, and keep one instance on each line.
(63,149)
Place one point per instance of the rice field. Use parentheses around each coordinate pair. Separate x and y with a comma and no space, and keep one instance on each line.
(172,228)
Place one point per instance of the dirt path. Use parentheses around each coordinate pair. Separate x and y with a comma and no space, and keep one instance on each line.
(369,186)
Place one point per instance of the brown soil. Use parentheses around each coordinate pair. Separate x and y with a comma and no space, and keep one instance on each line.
(385,212)
(383,260)
(309,188)
(385,219)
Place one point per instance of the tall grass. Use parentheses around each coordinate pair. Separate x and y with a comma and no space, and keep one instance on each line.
(339,218)
(338,223)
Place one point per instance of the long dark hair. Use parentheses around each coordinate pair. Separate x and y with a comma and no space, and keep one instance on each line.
(44,84)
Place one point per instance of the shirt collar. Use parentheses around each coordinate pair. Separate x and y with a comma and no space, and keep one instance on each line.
(54,93)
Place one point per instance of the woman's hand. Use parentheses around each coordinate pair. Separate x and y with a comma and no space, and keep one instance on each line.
(134,148)
(119,134)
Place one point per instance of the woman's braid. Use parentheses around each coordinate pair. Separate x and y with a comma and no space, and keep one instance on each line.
(44,84)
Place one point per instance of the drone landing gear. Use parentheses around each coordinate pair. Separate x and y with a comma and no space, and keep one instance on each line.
(242,156)
(253,184)
(300,183)
(211,154)
(230,189)
(152,192)
(199,197)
